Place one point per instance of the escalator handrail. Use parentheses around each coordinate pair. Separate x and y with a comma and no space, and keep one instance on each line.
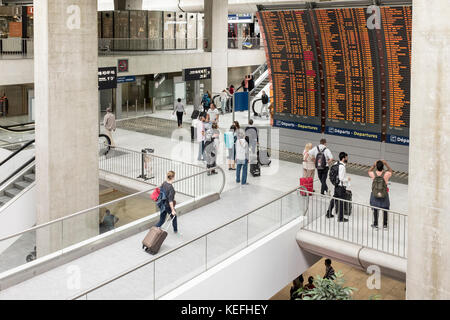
(17,171)
(253,106)
(17,152)
(9,128)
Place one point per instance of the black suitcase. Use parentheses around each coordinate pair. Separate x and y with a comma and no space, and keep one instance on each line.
(195,114)
(347,205)
(255,170)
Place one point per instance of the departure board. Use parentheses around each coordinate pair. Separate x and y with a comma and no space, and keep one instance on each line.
(292,61)
(397,30)
(331,71)
(351,76)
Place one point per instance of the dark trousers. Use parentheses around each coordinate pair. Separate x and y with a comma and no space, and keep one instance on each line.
(162,219)
(322,174)
(180,118)
(375,217)
(339,192)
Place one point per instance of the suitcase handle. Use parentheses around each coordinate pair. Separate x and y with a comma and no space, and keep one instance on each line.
(168,224)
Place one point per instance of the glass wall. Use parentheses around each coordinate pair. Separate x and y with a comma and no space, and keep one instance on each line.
(136,30)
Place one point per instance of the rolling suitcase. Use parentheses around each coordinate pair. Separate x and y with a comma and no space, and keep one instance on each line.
(154,239)
(255,170)
(264,158)
(308,184)
(195,114)
(348,205)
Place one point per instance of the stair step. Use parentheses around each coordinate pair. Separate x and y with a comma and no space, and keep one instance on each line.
(30,177)
(4,199)
(12,192)
(21,184)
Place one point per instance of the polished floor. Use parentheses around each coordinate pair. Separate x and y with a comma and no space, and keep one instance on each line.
(390,289)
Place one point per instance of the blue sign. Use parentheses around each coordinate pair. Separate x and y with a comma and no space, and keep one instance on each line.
(392,138)
(353,133)
(297,126)
(240,18)
(241,101)
(126,79)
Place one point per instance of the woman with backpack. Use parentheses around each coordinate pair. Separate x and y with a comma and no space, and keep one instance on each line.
(379,197)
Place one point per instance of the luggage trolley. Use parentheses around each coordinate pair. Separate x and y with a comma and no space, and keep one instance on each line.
(146,164)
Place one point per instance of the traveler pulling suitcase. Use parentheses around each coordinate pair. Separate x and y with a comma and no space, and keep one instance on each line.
(155,238)
(308,184)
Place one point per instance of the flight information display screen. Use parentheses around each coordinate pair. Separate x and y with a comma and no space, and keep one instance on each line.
(293,66)
(397,31)
(351,76)
(330,70)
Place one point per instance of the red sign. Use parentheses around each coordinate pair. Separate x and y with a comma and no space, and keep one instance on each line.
(30,10)
(122,65)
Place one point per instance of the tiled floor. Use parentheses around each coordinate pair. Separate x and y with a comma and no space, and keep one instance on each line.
(390,289)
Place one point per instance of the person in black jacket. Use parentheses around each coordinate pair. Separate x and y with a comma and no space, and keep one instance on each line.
(251,83)
(265,105)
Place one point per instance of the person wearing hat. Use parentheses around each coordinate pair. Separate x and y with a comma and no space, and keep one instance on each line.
(109,122)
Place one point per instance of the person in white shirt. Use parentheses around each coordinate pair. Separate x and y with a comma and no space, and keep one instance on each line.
(341,189)
(223,99)
(179,109)
(241,157)
(201,137)
(213,114)
(322,158)
(109,122)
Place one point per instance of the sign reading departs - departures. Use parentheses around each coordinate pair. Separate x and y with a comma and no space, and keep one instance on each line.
(196,74)
(107,78)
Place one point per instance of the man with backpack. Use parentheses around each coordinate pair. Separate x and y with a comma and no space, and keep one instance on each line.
(322,158)
(379,197)
(338,177)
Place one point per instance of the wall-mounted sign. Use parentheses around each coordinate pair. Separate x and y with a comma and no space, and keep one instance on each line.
(240,18)
(30,10)
(107,78)
(122,65)
(15,29)
(196,74)
(126,79)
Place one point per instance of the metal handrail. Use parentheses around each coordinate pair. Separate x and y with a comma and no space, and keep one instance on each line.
(354,202)
(18,170)
(110,203)
(184,244)
(155,156)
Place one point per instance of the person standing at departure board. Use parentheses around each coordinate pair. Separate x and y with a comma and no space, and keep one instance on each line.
(322,157)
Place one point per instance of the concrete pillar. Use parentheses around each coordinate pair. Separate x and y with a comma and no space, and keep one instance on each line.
(429,181)
(118,111)
(67,118)
(216,33)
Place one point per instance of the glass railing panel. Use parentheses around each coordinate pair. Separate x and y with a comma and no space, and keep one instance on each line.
(180,266)
(293,206)
(264,221)
(226,241)
(136,285)
(28,246)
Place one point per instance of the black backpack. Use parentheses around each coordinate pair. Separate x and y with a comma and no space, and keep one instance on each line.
(334,174)
(321,160)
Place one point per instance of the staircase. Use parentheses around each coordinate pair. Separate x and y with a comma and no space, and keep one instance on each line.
(15,187)
(262,79)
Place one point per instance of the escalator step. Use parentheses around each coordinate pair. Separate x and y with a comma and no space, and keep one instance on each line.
(4,199)
(12,192)
(21,184)
(29,177)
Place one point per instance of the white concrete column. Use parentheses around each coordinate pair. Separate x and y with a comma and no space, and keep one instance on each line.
(216,32)
(65,33)
(429,180)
